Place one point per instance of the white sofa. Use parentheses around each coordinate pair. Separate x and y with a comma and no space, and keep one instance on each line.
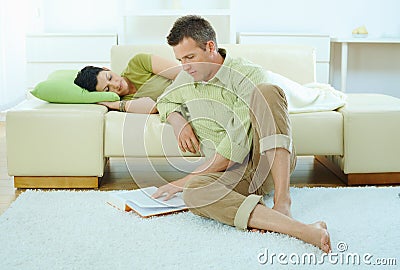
(67,145)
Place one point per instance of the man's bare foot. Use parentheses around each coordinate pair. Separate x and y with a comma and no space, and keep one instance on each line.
(319,236)
(321,224)
(316,234)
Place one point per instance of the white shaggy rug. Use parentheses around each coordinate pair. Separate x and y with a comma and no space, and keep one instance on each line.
(79,230)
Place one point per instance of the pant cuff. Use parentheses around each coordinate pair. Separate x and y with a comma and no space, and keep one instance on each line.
(243,213)
(275,141)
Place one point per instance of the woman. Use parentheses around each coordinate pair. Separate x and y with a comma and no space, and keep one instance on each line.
(140,84)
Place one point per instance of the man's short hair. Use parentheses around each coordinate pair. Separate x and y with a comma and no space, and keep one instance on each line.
(87,78)
(192,26)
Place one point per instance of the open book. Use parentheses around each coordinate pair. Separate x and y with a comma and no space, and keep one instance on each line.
(141,202)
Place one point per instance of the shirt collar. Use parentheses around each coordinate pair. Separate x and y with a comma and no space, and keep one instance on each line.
(224,71)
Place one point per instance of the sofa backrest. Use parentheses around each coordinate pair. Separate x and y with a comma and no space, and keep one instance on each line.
(294,62)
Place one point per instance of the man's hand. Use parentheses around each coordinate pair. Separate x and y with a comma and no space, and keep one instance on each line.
(187,140)
(169,189)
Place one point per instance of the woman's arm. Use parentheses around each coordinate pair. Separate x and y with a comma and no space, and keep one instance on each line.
(165,67)
(143,105)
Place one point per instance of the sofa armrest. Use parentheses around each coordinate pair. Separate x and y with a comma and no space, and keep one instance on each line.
(371,134)
(45,139)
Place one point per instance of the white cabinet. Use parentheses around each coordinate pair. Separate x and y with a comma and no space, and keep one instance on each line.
(149,22)
(48,52)
(321,43)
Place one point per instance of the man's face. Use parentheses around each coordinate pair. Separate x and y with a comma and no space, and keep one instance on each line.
(108,81)
(195,60)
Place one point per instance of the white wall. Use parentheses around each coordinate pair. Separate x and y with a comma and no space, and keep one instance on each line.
(80,16)
(12,52)
(335,17)
(371,69)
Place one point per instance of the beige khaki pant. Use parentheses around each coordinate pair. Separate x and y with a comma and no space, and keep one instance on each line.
(231,196)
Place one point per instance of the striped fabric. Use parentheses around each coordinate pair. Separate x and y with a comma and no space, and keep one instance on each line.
(218,109)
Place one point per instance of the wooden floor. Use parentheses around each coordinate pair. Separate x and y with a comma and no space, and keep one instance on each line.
(308,172)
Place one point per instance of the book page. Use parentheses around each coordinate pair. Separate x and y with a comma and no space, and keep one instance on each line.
(142,198)
(153,211)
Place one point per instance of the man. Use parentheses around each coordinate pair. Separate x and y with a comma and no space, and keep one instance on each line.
(241,124)
(140,84)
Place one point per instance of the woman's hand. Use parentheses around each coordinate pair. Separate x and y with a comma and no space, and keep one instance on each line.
(114,105)
(143,105)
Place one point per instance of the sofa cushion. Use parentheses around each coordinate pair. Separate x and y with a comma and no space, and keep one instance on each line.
(317,133)
(140,135)
(60,88)
(371,134)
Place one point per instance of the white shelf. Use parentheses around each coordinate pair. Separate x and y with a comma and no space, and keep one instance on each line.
(366,40)
(73,35)
(149,22)
(178,12)
(46,53)
(280,34)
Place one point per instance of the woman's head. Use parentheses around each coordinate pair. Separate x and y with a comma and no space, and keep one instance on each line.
(87,78)
(101,79)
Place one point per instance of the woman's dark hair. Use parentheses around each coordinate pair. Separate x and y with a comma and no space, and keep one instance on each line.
(87,78)
(192,26)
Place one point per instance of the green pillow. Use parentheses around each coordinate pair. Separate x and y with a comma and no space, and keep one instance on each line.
(60,88)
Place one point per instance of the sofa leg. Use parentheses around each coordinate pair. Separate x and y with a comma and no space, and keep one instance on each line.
(332,167)
(360,178)
(56,182)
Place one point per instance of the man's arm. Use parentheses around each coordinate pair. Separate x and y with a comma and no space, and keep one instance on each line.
(184,133)
(169,105)
(216,164)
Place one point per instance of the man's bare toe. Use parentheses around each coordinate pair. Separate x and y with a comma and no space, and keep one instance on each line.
(325,242)
(322,238)
(320,224)
(258,230)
